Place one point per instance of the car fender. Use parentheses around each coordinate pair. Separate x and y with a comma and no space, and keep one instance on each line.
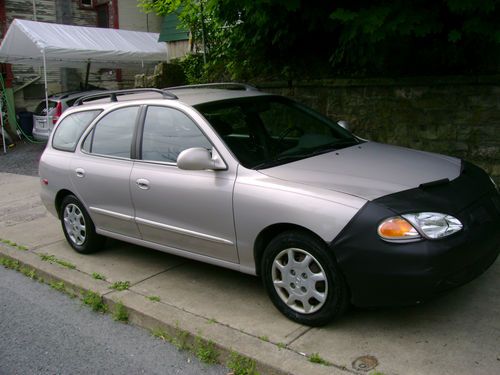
(53,169)
(260,201)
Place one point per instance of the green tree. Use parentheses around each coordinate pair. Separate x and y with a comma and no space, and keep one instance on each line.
(420,36)
(289,39)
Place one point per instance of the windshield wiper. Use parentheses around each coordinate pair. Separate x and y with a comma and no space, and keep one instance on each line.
(278,161)
(334,146)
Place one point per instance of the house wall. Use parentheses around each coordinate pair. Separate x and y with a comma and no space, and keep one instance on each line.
(131,18)
(458,116)
(53,11)
(80,16)
(23,75)
(178,49)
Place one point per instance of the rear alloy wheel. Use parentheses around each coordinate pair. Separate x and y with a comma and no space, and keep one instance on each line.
(302,279)
(78,227)
(74,223)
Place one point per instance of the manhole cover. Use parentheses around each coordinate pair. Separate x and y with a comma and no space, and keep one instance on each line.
(365,363)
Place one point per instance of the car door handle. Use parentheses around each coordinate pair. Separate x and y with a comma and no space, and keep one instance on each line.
(80,172)
(142,183)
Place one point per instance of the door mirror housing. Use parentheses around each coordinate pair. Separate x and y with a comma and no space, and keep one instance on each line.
(344,124)
(198,159)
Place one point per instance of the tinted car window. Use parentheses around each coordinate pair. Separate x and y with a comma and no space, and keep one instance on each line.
(267,131)
(88,141)
(70,129)
(113,133)
(168,132)
(70,103)
(41,108)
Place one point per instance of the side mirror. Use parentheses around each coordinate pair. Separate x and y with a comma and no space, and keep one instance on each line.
(198,159)
(344,124)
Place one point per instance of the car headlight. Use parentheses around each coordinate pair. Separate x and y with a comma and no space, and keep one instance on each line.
(410,227)
(434,225)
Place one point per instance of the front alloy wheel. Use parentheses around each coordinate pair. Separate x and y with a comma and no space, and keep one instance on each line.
(302,279)
(299,280)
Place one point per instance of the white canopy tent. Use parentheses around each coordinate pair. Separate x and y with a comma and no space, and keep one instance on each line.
(38,44)
(32,43)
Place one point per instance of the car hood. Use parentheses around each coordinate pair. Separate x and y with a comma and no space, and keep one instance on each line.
(369,170)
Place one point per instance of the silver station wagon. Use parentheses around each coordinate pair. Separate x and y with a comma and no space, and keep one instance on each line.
(229,175)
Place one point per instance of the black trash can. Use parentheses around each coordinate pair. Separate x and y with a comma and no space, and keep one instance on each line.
(25,120)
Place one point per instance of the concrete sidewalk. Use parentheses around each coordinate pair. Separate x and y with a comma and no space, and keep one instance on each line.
(455,334)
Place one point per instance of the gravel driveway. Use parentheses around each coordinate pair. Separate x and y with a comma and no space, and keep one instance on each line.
(22,159)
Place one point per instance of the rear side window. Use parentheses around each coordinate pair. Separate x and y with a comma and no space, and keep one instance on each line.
(113,134)
(71,128)
(41,108)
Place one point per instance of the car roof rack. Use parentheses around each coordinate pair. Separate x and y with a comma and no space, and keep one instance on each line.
(222,85)
(63,94)
(113,95)
(66,94)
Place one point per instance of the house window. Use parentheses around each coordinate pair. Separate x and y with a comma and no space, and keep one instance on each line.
(102,15)
(87,4)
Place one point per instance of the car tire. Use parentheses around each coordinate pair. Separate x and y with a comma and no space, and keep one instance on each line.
(78,227)
(308,291)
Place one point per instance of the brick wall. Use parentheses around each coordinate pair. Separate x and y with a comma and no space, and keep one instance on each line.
(457,116)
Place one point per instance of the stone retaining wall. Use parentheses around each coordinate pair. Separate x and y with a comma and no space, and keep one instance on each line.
(457,116)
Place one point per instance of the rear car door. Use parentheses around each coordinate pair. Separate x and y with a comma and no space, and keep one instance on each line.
(187,210)
(100,174)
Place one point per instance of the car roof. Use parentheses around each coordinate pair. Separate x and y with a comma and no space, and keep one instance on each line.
(195,96)
(189,95)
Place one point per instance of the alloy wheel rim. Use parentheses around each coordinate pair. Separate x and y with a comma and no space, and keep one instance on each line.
(74,222)
(299,280)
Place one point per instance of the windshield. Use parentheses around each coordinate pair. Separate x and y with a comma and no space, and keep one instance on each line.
(266,131)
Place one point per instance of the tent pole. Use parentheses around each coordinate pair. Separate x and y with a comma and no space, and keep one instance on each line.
(3,130)
(46,88)
(87,76)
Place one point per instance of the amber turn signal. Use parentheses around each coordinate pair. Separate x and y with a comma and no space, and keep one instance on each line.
(397,228)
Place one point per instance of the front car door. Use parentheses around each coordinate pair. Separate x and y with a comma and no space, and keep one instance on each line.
(101,172)
(186,210)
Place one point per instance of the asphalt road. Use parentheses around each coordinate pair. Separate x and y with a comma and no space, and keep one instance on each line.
(21,159)
(43,331)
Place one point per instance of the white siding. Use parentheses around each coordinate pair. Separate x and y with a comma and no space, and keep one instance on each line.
(131,18)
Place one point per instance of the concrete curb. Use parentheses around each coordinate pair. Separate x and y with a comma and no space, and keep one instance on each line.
(268,357)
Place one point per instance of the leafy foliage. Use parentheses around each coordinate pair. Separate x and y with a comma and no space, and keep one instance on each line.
(316,358)
(120,285)
(98,276)
(289,39)
(52,259)
(94,301)
(206,351)
(241,365)
(120,313)
(423,36)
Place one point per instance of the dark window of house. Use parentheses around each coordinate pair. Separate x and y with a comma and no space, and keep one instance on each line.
(103,15)
(168,132)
